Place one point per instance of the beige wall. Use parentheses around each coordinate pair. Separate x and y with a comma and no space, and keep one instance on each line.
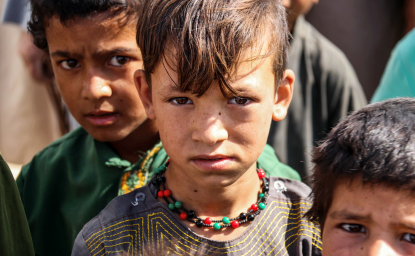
(27,121)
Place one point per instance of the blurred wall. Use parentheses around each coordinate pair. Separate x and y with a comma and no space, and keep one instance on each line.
(365,30)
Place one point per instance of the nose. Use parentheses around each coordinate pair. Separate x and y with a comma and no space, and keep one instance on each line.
(209,129)
(95,86)
(381,248)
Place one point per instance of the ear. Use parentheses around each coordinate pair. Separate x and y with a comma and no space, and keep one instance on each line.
(283,96)
(145,92)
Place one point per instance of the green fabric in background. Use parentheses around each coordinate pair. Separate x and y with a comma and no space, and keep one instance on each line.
(399,77)
(15,239)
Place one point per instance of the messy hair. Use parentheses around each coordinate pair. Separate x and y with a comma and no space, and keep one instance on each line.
(70,10)
(209,38)
(375,145)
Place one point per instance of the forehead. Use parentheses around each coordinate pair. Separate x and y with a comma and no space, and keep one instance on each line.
(371,202)
(255,68)
(89,31)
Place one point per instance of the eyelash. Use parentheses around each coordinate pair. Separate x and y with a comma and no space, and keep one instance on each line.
(232,101)
(347,227)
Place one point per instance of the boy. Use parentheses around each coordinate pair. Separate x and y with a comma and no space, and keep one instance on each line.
(213,85)
(74,178)
(325,90)
(94,56)
(364,182)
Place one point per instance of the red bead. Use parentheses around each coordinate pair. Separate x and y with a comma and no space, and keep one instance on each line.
(260,170)
(261,175)
(235,224)
(167,193)
(254,207)
(160,194)
(168,161)
(208,221)
(183,216)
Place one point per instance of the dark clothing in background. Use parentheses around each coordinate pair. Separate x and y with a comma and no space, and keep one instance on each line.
(325,90)
(15,11)
(15,239)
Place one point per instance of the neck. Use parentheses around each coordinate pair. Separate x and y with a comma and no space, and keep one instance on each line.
(215,202)
(133,147)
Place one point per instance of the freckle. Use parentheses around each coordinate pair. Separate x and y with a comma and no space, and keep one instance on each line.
(195,191)
(361,248)
(220,113)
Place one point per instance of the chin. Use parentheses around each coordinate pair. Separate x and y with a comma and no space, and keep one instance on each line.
(107,136)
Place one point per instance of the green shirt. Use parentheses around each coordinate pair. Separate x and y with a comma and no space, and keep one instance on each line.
(74,178)
(399,77)
(15,237)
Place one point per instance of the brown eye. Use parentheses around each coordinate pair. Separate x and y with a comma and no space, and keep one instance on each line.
(240,100)
(119,60)
(409,238)
(181,101)
(353,228)
(70,64)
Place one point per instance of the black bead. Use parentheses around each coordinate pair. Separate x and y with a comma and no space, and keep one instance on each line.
(161,179)
(251,217)
(242,216)
(199,223)
(266,188)
(155,181)
(190,214)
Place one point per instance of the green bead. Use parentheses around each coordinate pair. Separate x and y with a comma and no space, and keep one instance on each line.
(216,226)
(171,206)
(178,204)
(261,206)
(261,195)
(225,220)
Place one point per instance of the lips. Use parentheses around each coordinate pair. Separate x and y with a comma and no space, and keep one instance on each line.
(212,162)
(101,118)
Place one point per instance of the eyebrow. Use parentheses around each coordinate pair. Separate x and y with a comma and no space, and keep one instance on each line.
(407,225)
(114,51)
(347,215)
(66,54)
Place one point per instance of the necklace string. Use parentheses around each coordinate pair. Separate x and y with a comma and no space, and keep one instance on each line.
(189,215)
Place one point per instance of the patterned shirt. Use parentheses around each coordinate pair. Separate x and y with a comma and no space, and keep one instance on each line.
(137,224)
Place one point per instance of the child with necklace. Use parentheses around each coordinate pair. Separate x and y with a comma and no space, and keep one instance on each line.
(214,78)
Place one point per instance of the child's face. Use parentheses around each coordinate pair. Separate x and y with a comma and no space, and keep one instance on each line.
(369,220)
(214,140)
(297,8)
(94,60)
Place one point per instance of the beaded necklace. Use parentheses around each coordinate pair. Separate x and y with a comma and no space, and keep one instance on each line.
(177,206)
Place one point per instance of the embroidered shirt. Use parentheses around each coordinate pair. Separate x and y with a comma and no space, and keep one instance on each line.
(137,224)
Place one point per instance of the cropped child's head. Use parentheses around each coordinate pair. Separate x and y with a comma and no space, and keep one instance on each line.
(296,8)
(364,182)
(214,78)
(94,56)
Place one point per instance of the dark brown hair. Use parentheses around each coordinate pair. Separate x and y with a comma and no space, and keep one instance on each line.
(70,10)
(209,38)
(375,145)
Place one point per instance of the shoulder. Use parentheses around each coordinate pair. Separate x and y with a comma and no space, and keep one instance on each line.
(269,162)
(399,77)
(289,189)
(326,56)
(63,147)
(122,207)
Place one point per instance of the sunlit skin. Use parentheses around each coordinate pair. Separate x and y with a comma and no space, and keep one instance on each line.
(214,141)
(369,220)
(94,60)
(297,8)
